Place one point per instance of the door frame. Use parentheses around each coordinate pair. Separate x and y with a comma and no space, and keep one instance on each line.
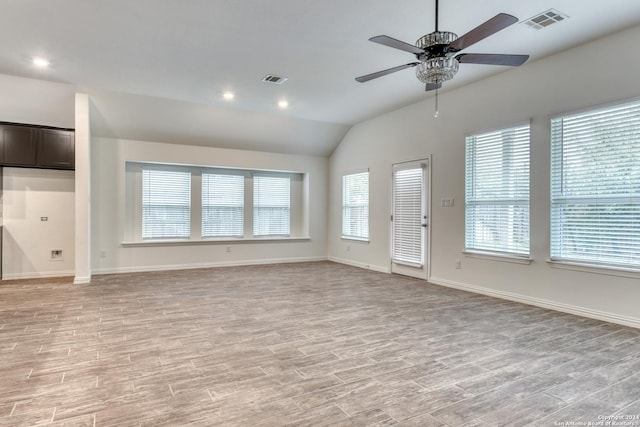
(427,200)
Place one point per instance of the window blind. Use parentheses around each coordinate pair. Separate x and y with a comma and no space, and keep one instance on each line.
(497,191)
(222,205)
(271,205)
(595,186)
(355,205)
(166,204)
(408,211)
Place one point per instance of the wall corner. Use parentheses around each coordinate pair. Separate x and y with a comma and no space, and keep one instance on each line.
(82,189)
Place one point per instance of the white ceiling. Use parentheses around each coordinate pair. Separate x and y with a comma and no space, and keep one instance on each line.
(193,50)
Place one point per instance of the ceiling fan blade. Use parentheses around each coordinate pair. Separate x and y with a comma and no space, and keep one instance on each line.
(391,42)
(492,26)
(492,59)
(432,86)
(372,76)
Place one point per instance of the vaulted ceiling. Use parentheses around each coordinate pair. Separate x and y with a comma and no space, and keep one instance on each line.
(183,55)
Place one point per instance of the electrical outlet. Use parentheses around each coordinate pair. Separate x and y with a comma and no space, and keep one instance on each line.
(458,264)
(348,248)
(56,255)
(103,253)
(228,249)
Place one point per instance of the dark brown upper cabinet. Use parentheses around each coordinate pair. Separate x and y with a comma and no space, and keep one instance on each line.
(36,147)
(19,145)
(56,149)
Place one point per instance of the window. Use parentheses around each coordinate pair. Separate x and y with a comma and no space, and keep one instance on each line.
(271,205)
(191,203)
(409,213)
(497,192)
(595,186)
(166,204)
(355,206)
(222,205)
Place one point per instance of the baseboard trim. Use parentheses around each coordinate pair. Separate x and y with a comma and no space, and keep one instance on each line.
(538,302)
(82,280)
(360,265)
(37,275)
(150,268)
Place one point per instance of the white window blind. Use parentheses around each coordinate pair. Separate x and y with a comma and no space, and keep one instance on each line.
(271,205)
(408,212)
(222,205)
(497,191)
(595,186)
(355,206)
(166,204)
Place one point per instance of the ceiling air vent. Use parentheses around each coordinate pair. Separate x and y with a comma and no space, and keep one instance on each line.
(545,19)
(274,79)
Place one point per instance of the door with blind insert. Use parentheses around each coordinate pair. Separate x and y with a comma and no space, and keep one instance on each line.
(410,219)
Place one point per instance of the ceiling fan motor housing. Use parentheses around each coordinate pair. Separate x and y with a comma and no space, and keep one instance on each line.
(435,66)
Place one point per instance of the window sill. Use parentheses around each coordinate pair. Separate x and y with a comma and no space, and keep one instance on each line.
(354,239)
(595,268)
(495,257)
(149,243)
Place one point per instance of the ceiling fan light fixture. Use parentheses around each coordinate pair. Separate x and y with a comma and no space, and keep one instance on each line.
(436,38)
(437,70)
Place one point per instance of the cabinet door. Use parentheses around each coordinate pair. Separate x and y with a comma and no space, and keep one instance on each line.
(18,145)
(56,149)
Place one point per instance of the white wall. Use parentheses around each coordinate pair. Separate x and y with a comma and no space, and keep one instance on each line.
(108,208)
(32,193)
(36,102)
(576,79)
(28,195)
(82,189)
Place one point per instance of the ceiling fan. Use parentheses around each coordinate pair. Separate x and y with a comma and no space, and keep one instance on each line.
(437,52)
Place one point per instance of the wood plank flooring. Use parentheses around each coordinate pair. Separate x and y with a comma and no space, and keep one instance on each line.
(312,344)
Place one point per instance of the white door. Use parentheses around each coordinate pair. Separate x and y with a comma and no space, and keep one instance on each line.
(410,219)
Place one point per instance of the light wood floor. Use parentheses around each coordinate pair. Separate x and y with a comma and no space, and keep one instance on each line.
(314,344)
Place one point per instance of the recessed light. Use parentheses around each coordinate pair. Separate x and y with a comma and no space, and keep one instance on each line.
(283,103)
(228,95)
(40,62)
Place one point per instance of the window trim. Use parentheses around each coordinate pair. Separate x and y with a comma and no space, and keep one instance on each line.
(185,197)
(496,256)
(218,172)
(581,264)
(132,205)
(594,268)
(222,241)
(500,255)
(342,184)
(257,174)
